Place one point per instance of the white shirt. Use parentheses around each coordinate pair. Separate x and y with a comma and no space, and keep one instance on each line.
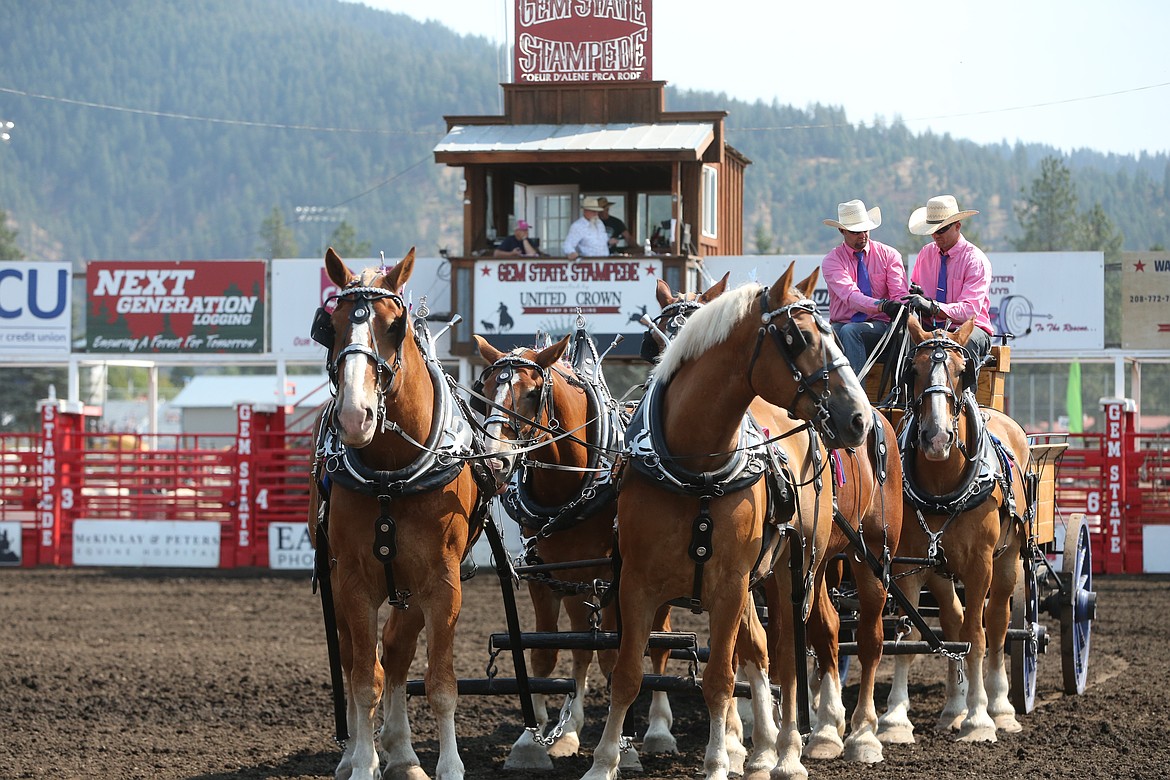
(587,239)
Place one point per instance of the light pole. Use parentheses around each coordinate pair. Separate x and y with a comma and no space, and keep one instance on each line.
(321,215)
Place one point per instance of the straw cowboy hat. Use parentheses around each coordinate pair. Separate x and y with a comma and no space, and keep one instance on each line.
(853,217)
(937,214)
(591,204)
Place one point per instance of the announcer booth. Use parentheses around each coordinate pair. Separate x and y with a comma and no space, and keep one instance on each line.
(583,117)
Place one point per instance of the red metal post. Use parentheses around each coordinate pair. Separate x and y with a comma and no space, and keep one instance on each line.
(1117,446)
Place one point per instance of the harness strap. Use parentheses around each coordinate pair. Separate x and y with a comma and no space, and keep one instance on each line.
(321,576)
(700,551)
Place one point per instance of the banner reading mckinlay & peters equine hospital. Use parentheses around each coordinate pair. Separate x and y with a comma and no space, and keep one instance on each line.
(183,306)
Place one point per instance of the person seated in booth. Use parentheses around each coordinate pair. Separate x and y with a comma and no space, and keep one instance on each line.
(517,244)
(586,236)
(952,276)
(614,228)
(865,280)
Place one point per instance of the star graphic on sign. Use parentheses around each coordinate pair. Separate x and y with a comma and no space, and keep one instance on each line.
(486,270)
(1139,266)
(650,270)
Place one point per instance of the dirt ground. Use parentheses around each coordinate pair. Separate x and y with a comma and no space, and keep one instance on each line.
(173,674)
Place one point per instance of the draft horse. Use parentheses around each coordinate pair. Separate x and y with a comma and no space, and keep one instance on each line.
(693,506)
(965,478)
(554,426)
(867,486)
(395,508)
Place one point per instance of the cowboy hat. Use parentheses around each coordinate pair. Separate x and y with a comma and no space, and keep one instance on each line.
(604,202)
(853,217)
(591,204)
(938,212)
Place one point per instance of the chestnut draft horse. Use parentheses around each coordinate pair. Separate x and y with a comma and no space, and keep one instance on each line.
(965,475)
(559,419)
(693,509)
(867,484)
(396,506)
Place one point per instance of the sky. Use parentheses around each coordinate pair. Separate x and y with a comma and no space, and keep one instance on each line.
(1074,74)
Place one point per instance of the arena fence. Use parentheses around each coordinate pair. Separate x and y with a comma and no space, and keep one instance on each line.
(72,497)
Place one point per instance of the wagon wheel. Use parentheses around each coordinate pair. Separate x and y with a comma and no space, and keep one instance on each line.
(1029,636)
(1078,605)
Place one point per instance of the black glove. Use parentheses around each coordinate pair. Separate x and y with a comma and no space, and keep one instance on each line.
(916,289)
(889,308)
(925,308)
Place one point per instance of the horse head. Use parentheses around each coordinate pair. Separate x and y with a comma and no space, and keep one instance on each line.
(367,328)
(674,309)
(520,385)
(940,370)
(812,378)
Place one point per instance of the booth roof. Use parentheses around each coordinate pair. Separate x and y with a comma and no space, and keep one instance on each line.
(691,138)
(213,392)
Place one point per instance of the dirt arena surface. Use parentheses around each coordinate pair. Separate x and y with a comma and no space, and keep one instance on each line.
(172,674)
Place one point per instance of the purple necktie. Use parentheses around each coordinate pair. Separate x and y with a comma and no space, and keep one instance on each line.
(862,284)
(941,294)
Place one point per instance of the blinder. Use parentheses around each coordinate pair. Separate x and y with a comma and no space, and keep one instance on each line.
(322,330)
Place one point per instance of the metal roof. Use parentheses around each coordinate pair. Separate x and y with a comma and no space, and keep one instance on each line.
(665,137)
(219,392)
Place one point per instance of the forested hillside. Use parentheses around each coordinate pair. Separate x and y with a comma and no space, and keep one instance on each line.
(152,130)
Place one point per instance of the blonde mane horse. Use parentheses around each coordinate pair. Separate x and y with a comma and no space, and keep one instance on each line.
(696,530)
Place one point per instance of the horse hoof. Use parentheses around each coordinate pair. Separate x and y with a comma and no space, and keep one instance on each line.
(896,734)
(413,772)
(566,746)
(735,761)
(1007,723)
(660,743)
(951,721)
(823,748)
(528,755)
(980,734)
(629,761)
(864,749)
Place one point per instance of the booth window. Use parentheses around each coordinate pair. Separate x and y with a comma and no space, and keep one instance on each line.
(710,202)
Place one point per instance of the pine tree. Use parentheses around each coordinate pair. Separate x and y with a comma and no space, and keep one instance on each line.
(278,238)
(1048,210)
(8,248)
(344,242)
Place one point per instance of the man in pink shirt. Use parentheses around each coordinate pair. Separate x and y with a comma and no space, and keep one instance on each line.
(954,274)
(865,279)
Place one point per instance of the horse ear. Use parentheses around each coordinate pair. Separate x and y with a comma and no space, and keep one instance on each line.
(917,334)
(780,288)
(338,273)
(715,290)
(810,283)
(549,355)
(964,332)
(486,350)
(395,279)
(663,294)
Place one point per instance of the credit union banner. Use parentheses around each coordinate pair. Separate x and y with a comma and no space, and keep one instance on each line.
(35,312)
(516,299)
(212,306)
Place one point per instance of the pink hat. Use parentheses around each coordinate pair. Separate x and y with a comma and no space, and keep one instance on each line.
(522,225)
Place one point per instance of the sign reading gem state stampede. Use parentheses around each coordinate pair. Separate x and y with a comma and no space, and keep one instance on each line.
(514,299)
(559,41)
(181,306)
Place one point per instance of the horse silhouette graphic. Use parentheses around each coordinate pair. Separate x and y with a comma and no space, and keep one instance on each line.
(637,315)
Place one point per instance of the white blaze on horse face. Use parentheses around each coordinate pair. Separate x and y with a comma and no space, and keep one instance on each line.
(495,423)
(938,435)
(357,403)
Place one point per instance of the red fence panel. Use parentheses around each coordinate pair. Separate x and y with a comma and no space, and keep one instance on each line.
(20,482)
